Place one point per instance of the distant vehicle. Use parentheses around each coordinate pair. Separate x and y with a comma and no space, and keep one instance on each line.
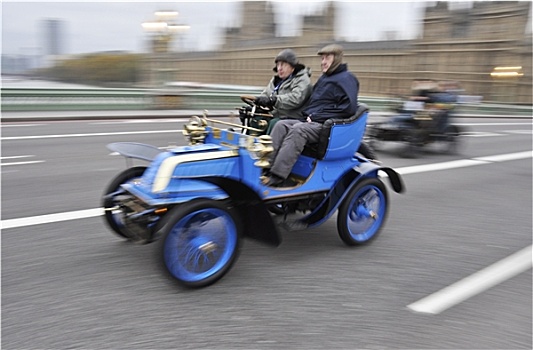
(421,120)
(199,201)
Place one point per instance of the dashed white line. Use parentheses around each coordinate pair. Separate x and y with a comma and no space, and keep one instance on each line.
(11,223)
(37,137)
(2,163)
(463,163)
(49,218)
(22,163)
(476,283)
(519,132)
(494,124)
(16,157)
(19,125)
(506,157)
(481,134)
(142,121)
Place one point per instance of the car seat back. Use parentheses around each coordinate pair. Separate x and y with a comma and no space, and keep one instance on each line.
(340,137)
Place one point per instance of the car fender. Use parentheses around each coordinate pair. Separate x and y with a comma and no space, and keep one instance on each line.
(342,187)
(135,150)
(256,219)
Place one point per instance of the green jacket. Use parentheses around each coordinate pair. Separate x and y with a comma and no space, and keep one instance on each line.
(292,94)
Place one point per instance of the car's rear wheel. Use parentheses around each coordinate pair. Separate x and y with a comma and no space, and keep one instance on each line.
(452,137)
(363,212)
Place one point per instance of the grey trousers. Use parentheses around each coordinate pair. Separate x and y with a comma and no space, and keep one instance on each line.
(289,138)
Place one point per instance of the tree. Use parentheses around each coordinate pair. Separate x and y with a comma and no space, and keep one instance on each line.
(97,69)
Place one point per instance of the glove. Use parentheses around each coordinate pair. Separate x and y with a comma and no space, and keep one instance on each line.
(265,101)
(244,113)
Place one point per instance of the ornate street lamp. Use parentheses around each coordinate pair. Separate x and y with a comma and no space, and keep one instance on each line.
(164,29)
(162,32)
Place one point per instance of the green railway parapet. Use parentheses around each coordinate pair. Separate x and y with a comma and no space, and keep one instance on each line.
(101,99)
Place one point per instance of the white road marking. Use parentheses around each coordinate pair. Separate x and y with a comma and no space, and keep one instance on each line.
(506,157)
(19,163)
(22,163)
(45,219)
(28,221)
(493,124)
(463,163)
(142,121)
(480,134)
(476,283)
(19,125)
(519,132)
(37,137)
(16,157)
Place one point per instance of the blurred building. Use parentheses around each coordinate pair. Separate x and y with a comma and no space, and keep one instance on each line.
(53,37)
(53,40)
(486,48)
(16,64)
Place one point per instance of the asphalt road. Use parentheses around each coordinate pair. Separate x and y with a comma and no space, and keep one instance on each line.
(69,283)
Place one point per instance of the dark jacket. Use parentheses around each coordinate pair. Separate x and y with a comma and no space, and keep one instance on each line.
(334,96)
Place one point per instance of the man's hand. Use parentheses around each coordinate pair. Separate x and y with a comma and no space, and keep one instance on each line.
(265,101)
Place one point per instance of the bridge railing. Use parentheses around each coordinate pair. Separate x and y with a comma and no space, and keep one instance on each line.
(190,98)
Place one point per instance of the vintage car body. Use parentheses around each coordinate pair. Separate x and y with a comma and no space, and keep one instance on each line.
(213,188)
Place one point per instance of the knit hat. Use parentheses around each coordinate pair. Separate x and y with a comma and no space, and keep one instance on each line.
(288,56)
(337,51)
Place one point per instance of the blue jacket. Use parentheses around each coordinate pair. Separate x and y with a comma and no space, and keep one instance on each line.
(334,96)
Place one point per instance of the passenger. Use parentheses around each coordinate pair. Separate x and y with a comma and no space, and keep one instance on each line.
(444,102)
(334,96)
(288,90)
(437,102)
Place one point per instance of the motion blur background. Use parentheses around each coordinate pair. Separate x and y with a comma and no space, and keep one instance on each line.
(485,46)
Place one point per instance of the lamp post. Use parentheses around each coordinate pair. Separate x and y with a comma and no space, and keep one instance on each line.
(162,31)
(505,82)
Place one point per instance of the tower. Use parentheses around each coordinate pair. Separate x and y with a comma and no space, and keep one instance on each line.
(53,44)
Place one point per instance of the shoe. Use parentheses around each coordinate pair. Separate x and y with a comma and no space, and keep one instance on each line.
(272,180)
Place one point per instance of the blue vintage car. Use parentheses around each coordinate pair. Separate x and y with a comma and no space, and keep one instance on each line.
(199,201)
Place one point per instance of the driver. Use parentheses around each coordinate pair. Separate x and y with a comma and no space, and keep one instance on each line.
(288,90)
(334,95)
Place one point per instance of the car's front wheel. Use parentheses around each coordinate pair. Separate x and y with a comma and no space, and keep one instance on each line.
(200,242)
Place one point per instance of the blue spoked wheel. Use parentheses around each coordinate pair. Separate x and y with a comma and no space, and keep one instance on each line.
(363,212)
(113,218)
(200,242)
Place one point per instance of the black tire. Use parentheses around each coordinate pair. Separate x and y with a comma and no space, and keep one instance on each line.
(200,242)
(113,219)
(412,144)
(367,151)
(452,138)
(372,137)
(363,212)
(375,143)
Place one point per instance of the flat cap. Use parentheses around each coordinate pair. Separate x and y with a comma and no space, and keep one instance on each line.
(334,49)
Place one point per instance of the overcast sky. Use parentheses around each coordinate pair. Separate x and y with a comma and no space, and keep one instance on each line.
(96,26)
